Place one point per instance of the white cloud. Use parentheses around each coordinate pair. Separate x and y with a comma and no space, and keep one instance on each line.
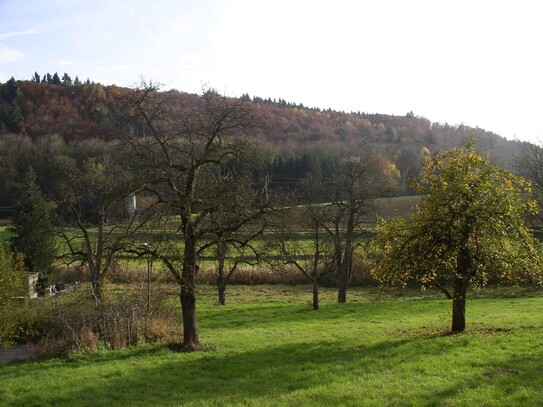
(9,55)
(68,62)
(5,36)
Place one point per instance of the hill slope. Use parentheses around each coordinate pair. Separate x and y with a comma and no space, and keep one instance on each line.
(293,137)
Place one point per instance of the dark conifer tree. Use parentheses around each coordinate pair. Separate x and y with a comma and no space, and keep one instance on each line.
(66,80)
(32,222)
(56,79)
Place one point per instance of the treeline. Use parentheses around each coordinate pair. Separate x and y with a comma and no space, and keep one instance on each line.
(295,139)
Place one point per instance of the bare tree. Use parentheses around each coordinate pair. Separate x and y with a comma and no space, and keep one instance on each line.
(182,151)
(93,226)
(239,218)
(353,193)
(302,238)
(86,185)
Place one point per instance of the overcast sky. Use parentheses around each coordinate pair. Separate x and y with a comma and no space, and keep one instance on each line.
(477,62)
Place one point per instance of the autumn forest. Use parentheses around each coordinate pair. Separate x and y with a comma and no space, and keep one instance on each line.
(293,139)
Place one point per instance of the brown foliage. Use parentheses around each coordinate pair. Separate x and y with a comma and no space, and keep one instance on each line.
(73,323)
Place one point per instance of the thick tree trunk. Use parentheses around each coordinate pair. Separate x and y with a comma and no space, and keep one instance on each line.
(464,268)
(459,305)
(315,295)
(188,295)
(190,329)
(221,288)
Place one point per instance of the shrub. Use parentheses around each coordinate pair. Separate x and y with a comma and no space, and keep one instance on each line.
(11,308)
(71,322)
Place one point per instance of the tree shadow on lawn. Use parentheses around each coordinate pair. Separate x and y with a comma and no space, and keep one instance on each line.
(223,378)
(217,378)
(514,381)
(77,360)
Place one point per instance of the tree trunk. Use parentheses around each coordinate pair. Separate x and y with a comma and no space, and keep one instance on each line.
(95,262)
(347,259)
(188,293)
(221,288)
(459,305)
(344,272)
(315,295)
(96,290)
(464,268)
(222,294)
(343,282)
(190,329)
(221,280)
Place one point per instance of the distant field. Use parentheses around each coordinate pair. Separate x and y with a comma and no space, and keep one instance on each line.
(4,234)
(267,348)
(401,206)
(386,207)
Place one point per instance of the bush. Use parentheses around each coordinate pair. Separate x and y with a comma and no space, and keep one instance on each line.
(12,285)
(71,322)
(69,275)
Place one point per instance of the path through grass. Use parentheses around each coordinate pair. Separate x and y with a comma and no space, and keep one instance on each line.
(268,348)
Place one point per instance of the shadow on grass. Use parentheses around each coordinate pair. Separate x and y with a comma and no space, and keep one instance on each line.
(516,381)
(180,379)
(389,372)
(216,378)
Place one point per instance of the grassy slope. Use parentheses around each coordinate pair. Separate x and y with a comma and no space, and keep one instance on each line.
(270,349)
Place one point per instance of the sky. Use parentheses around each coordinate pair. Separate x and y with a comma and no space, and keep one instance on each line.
(475,62)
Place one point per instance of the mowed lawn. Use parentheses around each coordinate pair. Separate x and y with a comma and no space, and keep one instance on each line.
(267,348)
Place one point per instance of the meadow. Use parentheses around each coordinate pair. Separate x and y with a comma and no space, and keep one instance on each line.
(268,348)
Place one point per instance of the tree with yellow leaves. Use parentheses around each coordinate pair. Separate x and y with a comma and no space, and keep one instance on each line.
(467,231)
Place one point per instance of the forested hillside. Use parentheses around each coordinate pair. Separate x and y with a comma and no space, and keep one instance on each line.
(294,139)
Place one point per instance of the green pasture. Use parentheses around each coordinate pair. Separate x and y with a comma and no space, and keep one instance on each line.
(267,348)
(399,206)
(386,207)
(4,234)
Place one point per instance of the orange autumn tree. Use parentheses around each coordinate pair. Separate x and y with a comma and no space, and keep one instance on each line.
(467,231)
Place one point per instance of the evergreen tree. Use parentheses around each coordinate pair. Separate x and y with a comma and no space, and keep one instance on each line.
(56,79)
(32,224)
(66,80)
(12,90)
(14,118)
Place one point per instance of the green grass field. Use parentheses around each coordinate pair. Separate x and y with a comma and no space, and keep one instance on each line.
(4,234)
(267,348)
